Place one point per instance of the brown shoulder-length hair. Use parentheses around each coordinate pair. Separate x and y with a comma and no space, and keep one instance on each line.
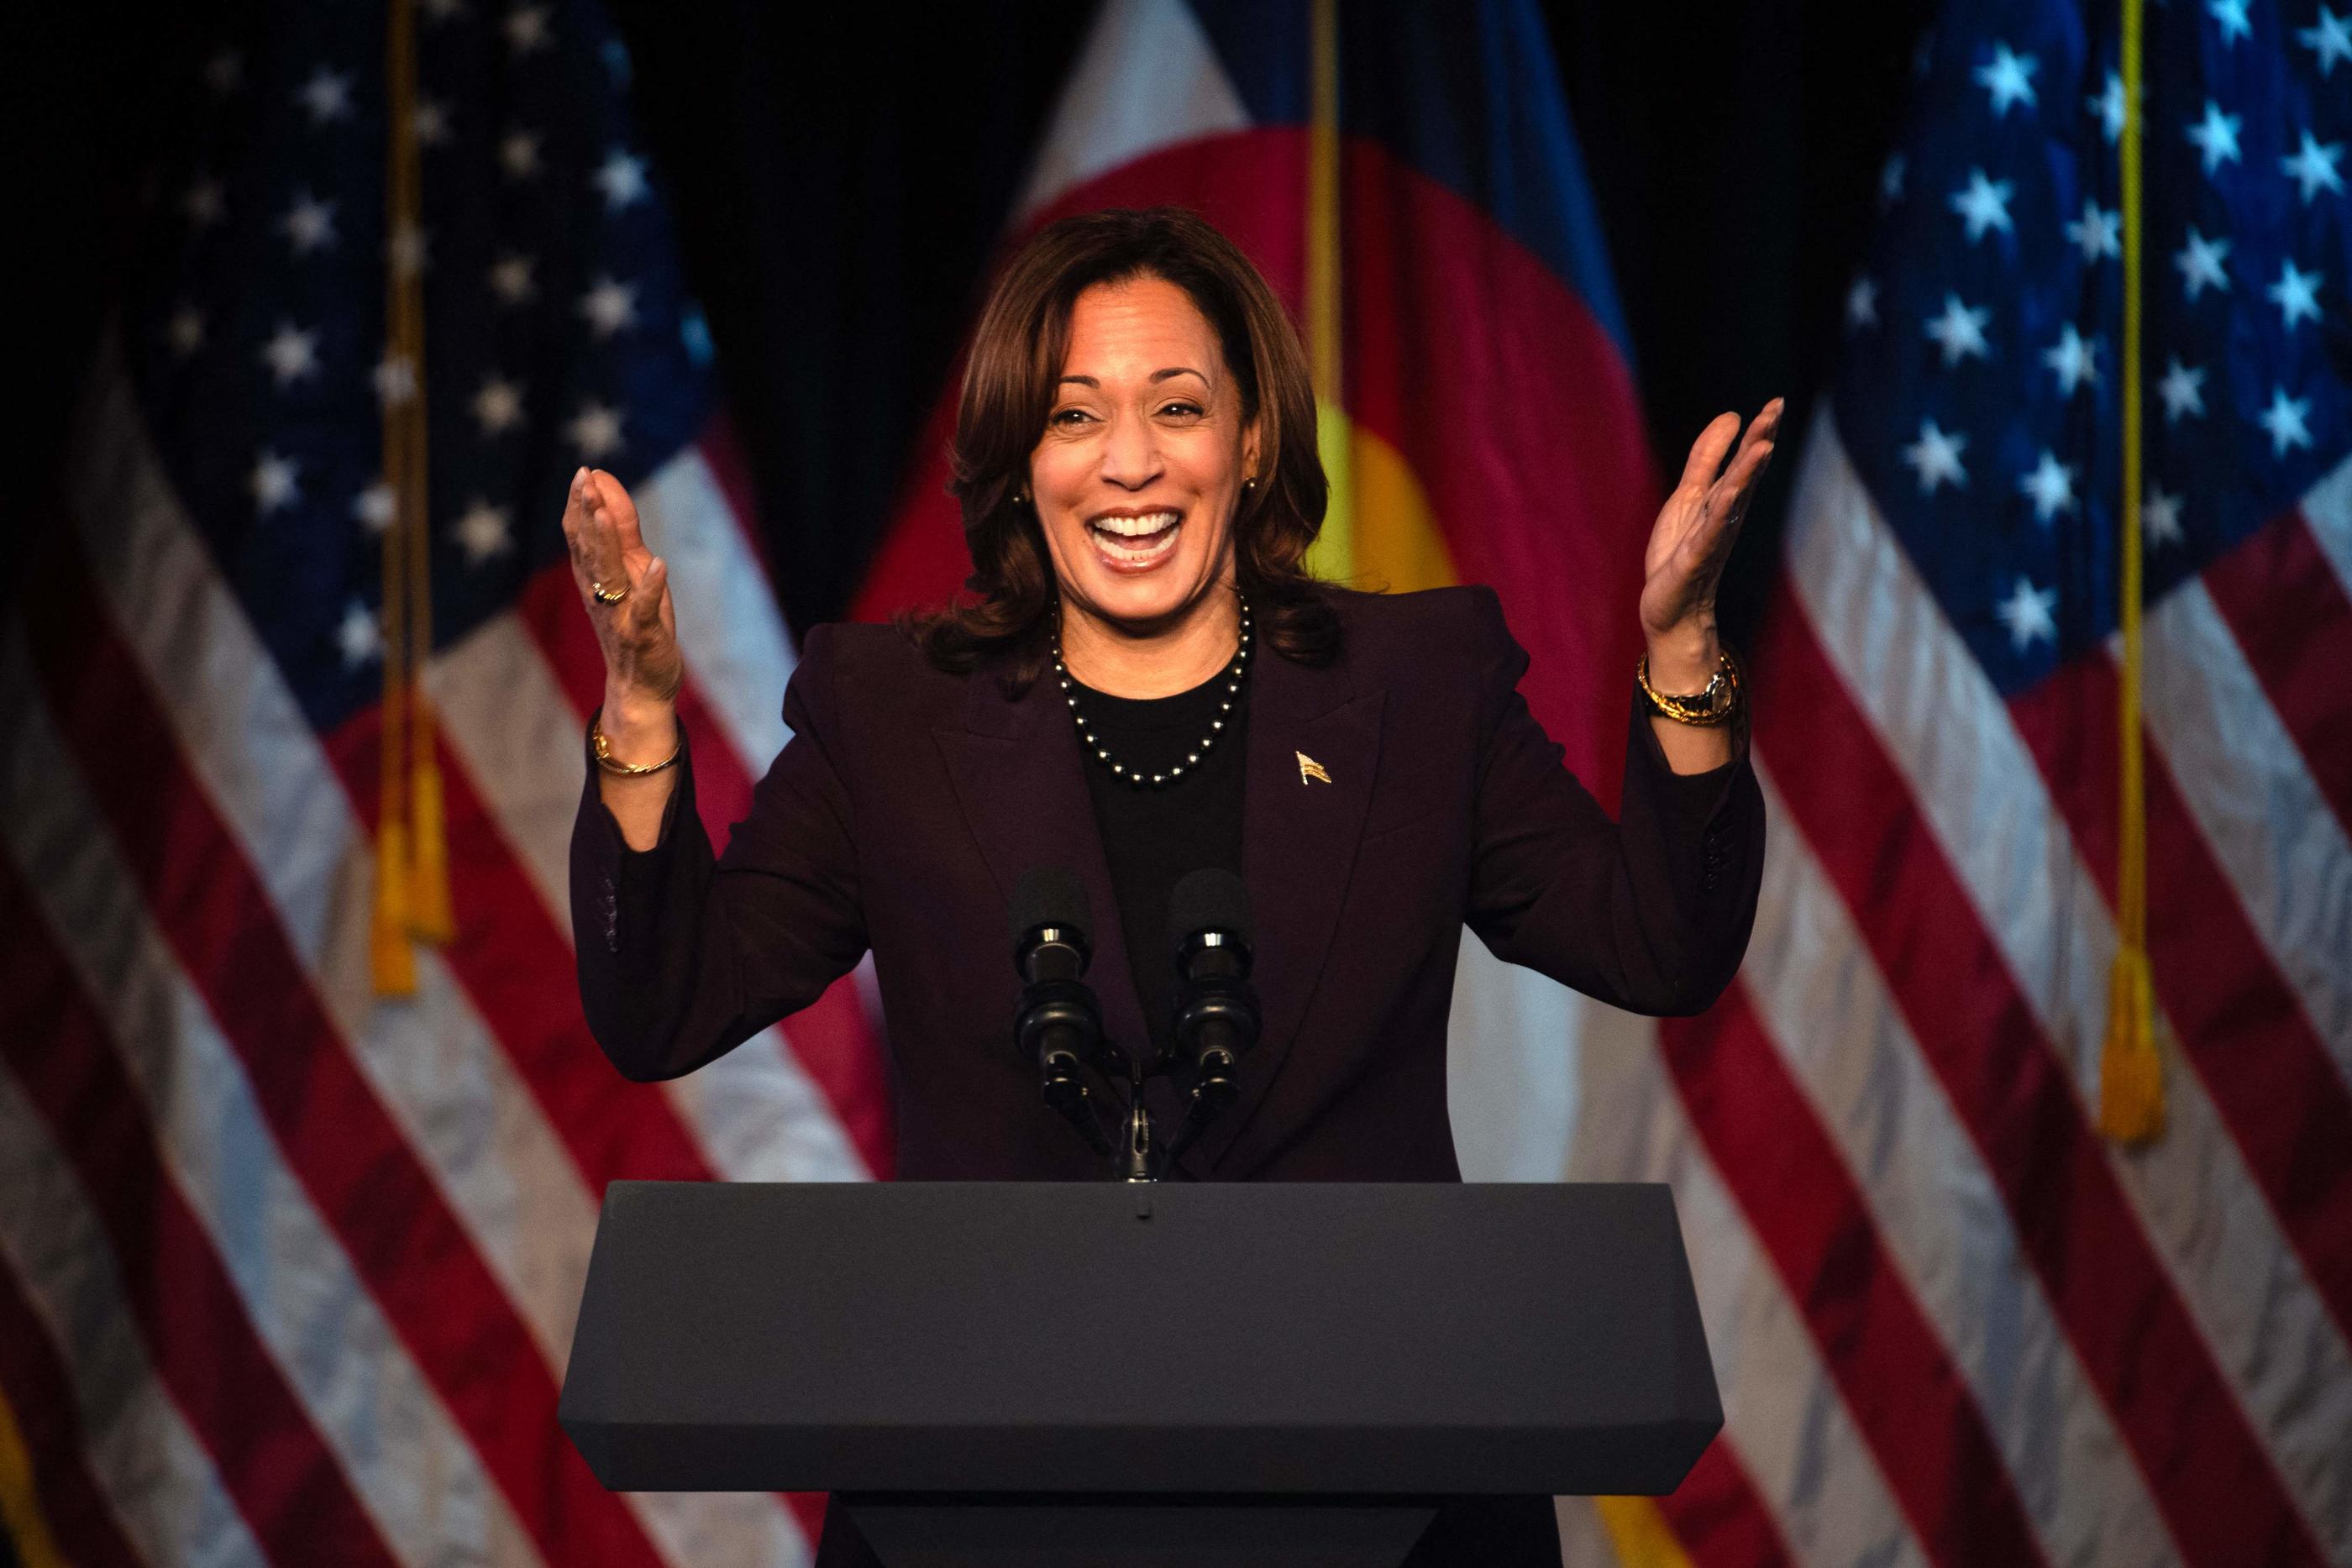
(1009,383)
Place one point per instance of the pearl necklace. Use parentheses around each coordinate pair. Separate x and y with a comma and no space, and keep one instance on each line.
(1232,676)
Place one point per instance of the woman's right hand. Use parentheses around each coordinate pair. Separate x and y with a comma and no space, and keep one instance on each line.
(642,667)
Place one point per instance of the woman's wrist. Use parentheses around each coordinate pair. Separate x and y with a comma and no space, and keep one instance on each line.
(638,727)
(1683,660)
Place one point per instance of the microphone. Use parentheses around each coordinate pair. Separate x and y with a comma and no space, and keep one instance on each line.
(1216,1007)
(1058,1023)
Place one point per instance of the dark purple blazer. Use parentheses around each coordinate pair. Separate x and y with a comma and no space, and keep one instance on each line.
(909,802)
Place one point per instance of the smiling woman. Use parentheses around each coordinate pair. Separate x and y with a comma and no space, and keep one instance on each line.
(1146,683)
(1176,466)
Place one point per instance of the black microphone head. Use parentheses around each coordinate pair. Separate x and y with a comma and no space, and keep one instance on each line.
(1051,895)
(1209,900)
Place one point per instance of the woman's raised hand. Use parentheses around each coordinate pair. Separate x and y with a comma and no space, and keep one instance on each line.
(1693,538)
(626,588)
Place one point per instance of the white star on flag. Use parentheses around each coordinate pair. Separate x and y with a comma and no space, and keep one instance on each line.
(2029,613)
(2200,262)
(359,636)
(2182,390)
(595,431)
(374,508)
(2009,79)
(2160,519)
(290,353)
(395,379)
(186,330)
(498,407)
(1861,303)
(1960,329)
(430,123)
(2050,485)
(2096,233)
(622,178)
(408,250)
(327,95)
(2296,294)
(519,155)
(482,532)
(2314,167)
(1890,181)
(2216,136)
(526,28)
(1984,204)
(272,481)
(2074,358)
(2109,107)
(2331,40)
(2231,16)
(510,279)
(610,306)
(2284,422)
(1936,458)
(308,223)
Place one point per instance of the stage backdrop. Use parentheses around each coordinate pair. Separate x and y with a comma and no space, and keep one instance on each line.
(299,1132)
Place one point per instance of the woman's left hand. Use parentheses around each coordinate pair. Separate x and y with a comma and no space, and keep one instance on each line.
(1690,542)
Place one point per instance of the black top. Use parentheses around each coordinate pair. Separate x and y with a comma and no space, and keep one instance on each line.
(1154,836)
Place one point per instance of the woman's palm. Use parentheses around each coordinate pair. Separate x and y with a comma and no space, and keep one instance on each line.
(639,635)
(1695,529)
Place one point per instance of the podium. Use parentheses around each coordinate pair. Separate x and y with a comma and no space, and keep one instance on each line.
(1098,1372)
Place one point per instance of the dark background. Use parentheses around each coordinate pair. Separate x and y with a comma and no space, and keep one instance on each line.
(839,185)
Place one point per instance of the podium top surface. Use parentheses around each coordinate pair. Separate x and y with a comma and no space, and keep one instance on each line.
(1099,1337)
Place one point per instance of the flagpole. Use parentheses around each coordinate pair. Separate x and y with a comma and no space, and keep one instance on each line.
(2131,1075)
(411,890)
(1333,556)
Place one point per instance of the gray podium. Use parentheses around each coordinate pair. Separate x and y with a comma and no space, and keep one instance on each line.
(1080,1373)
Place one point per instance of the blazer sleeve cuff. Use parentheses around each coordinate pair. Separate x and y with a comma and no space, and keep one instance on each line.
(1693,800)
(634,882)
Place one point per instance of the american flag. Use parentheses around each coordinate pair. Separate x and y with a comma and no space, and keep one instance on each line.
(1955,1324)
(291,1240)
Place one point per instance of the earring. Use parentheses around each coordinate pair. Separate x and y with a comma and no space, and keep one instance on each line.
(1020,498)
(1250,483)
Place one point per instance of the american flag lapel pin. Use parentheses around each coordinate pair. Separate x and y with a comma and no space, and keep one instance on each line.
(1310,769)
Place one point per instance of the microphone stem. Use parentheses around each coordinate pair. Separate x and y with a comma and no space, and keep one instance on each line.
(1135,1153)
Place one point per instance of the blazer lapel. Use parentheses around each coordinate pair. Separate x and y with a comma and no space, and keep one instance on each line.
(1314,749)
(1023,785)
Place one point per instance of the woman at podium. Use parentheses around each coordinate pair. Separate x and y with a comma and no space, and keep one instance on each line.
(1146,682)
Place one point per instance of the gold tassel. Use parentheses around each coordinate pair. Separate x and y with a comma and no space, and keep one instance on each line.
(1639,1534)
(2131,1073)
(429,916)
(392,963)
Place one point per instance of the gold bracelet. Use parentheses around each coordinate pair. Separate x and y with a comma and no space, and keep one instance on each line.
(612,764)
(1715,705)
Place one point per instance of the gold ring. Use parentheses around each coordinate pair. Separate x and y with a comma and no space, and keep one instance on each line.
(604,598)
